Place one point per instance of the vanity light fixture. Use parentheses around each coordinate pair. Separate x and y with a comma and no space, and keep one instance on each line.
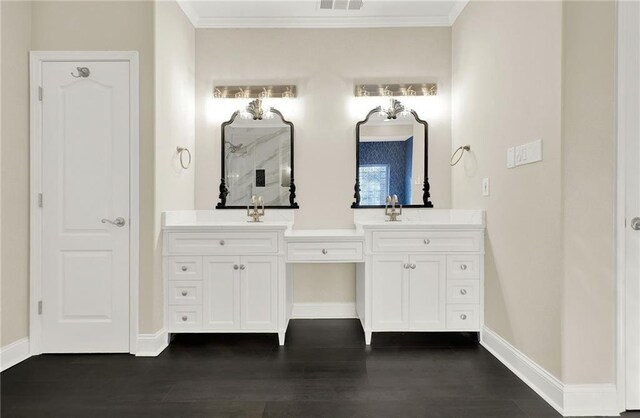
(254,92)
(396,90)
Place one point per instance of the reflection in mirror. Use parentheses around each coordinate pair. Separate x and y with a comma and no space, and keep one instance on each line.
(257,161)
(392,159)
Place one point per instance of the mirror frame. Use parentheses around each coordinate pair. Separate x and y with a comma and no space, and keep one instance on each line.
(426,195)
(224,191)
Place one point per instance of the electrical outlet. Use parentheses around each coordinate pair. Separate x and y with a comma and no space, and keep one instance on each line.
(485,186)
(511,157)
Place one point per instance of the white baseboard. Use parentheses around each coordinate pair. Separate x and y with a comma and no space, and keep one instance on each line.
(538,379)
(14,353)
(591,400)
(151,345)
(568,400)
(323,310)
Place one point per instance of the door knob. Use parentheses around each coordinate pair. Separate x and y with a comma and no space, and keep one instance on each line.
(635,224)
(119,221)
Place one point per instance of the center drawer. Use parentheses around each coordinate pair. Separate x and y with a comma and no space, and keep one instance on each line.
(324,251)
(427,241)
(213,243)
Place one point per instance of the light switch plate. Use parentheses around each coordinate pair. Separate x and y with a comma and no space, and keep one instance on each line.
(511,157)
(528,153)
(485,186)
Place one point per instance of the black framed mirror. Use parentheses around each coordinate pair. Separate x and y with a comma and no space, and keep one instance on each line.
(392,158)
(257,159)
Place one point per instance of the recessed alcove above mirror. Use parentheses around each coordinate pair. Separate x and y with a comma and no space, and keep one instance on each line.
(392,150)
(257,159)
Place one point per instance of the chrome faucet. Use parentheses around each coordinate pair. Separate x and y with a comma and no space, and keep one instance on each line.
(392,213)
(258,209)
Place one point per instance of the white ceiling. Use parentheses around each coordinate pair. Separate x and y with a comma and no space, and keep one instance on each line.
(307,14)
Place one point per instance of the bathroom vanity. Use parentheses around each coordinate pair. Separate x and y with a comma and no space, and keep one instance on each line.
(422,273)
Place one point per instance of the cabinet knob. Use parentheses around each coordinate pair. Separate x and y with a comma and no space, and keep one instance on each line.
(222,242)
(463,266)
(184,318)
(184,268)
(406,265)
(427,241)
(463,291)
(463,317)
(324,251)
(242,267)
(185,293)
(413,266)
(236,267)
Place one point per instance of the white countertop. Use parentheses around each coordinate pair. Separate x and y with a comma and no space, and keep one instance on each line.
(280,219)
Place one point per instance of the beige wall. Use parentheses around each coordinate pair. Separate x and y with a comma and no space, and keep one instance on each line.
(324,64)
(174,101)
(507,91)
(16,41)
(588,159)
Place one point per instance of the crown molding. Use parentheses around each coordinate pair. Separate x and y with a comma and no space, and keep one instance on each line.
(189,11)
(319,22)
(456,10)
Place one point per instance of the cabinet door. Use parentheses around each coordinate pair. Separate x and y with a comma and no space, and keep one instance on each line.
(259,292)
(427,292)
(390,308)
(221,293)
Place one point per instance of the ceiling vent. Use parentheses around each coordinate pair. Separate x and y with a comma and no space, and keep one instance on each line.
(340,4)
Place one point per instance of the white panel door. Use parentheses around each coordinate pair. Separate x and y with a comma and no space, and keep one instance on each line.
(427,292)
(390,295)
(85,179)
(259,292)
(221,292)
(629,131)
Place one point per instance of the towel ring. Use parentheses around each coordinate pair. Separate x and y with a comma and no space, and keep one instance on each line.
(181,151)
(460,150)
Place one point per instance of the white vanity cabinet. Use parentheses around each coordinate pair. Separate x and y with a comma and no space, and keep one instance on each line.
(421,277)
(223,276)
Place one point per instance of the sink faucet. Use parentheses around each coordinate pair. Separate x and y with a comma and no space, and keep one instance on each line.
(258,209)
(392,213)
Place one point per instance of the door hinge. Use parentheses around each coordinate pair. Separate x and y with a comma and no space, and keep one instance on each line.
(39,200)
(40,307)
(40,93)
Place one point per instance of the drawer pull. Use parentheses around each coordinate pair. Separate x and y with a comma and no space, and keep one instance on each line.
(463,291)
(184,268)
(463,317)
(222,242)
(427,241)
(184,318)
(185,293)
(236,267)
(324,251)
(463,266)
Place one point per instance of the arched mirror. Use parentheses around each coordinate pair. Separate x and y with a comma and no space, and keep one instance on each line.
(392,158)
(257,159)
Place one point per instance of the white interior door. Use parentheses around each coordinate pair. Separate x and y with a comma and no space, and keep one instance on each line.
(629,131)
(85,180)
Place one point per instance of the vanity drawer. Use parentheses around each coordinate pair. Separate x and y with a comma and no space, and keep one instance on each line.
(185,268)
(463,267)
(324,251)
(185,318)
(213,243)
(463,317)
(427,241)
(463,291)
(185,293)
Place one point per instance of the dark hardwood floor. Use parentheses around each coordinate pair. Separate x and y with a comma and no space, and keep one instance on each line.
(325,370)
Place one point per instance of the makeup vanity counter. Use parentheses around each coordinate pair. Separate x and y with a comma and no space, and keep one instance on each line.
(423,273)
